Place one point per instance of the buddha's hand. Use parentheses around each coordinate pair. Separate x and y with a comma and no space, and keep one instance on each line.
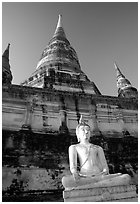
(105,172)
(76,176)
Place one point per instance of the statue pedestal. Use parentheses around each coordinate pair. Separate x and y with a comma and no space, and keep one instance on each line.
(120,193)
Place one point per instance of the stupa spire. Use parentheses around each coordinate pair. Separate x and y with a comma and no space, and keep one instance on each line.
(59,28)
(6,52)
(59,23)
(59,63)
(119,73)
(6,72)
(122,82)
(124,86)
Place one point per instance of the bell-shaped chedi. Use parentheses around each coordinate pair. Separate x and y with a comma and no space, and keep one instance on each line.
(125,88)
(6,72)
(59,67)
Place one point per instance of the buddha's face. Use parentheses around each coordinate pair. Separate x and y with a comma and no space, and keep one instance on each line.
(84,133)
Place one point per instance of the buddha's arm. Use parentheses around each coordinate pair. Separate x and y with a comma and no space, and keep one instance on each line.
(102,160)
(73,159)
(73,162)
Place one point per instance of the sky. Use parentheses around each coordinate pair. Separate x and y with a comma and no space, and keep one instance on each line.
(100,32)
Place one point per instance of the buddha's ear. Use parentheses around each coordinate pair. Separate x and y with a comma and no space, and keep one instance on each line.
(78,139)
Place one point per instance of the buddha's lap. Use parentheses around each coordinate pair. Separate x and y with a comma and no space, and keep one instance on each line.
(68,181)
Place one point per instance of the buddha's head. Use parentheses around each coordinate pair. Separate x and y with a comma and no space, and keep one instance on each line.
(82,130)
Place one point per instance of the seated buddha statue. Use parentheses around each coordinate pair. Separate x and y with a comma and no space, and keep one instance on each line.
(93,170)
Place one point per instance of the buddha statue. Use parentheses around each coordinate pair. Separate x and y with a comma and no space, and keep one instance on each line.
(93,169)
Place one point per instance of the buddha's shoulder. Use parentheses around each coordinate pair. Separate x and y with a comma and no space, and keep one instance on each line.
(73,146)
(96,146)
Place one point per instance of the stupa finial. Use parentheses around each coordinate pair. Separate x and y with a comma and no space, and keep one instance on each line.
(59,23)
(119,73)
(6,52)
(59,28)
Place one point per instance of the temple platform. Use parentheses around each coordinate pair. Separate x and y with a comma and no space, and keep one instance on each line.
(121,193)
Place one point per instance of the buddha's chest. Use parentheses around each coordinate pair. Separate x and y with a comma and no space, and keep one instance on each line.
(84,152)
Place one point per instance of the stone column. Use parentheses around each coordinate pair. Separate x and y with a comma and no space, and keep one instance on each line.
(45,118)
(121,121)
(29,111)
(63,116)
(93,111)
(76,107)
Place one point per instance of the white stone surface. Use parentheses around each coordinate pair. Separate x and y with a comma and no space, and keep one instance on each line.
(101,194)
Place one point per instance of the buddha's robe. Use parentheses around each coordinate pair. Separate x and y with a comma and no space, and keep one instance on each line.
(91,158)
(93,168)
